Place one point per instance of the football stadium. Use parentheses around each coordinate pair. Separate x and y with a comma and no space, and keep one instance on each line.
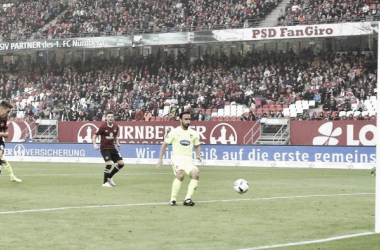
(228,124)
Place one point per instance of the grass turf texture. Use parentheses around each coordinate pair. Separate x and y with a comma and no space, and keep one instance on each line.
(221,218)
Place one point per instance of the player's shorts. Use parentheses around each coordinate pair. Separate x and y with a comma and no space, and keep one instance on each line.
(111,154)
(183,164)
(2,146)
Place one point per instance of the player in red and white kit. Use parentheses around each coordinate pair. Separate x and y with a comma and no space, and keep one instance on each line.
(108,137)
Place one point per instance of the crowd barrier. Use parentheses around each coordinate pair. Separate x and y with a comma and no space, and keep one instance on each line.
(217,155)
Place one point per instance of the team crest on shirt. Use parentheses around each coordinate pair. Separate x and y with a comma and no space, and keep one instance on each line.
(106,130)
(114,131)
(191,136)
(110,137)
(2,124)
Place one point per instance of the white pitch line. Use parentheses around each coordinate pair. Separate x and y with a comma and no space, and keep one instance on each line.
(166,203)
(310,241)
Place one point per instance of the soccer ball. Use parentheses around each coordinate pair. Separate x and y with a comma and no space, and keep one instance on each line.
(241,186)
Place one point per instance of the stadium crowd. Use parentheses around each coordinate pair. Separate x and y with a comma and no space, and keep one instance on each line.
(20,18)
(319,12)
(140,88)
(117,17)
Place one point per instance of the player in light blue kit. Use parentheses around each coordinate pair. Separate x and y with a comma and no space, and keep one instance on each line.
(183,140)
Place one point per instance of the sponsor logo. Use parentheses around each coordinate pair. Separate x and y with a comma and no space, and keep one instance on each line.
(349,134)
(184,142)
(18,131)
(223,133)
(85,133)
(19,150)
(328,135)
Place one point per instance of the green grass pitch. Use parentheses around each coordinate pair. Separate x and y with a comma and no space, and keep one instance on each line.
(63,206)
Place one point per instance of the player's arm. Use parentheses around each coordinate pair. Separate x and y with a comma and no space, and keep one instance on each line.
(117,142)
(96,147)
(198,152)
(4,134)
(162,152)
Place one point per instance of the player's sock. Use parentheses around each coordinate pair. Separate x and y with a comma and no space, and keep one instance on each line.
(8,167)
(107,171)
(0,168)
(191,188)
(175,189)
(115,170)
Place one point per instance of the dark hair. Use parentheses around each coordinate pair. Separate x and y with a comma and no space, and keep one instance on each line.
(184,113)
(6,104)
(110,112)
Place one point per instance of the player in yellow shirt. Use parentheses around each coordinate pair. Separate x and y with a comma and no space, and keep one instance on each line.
(183,140)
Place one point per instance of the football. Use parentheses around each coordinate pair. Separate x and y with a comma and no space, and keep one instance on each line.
(241,186)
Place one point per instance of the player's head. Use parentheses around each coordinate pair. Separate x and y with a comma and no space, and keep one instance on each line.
(110,117)
(5,109)
(185,119)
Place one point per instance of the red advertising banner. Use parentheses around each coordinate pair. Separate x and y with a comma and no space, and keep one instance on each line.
(342,133)
(211,132)
(18,130)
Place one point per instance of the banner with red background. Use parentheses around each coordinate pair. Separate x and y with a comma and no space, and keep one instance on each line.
(211,132)
(342,133)
(18,130)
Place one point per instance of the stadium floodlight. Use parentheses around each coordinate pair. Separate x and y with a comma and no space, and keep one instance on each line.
(377,190)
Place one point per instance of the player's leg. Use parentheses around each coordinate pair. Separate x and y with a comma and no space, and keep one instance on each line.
(176,185)
(194,175)
(1,155)
(107,158)
(7,166)
(116,157)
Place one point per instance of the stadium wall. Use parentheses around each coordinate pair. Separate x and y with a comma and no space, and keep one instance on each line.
(220,155)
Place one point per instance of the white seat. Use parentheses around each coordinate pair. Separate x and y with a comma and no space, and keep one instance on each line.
(220,112)
(305,106)
(342,113)
(227,112)
(214,114)
(365,113)
(356,113)
(299,110)
(348,113)
(368,104)
(166,110)
(293,114)
(312,103)
(286,111)
(373,98)
(371,113)
(233,112)
(354,106)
